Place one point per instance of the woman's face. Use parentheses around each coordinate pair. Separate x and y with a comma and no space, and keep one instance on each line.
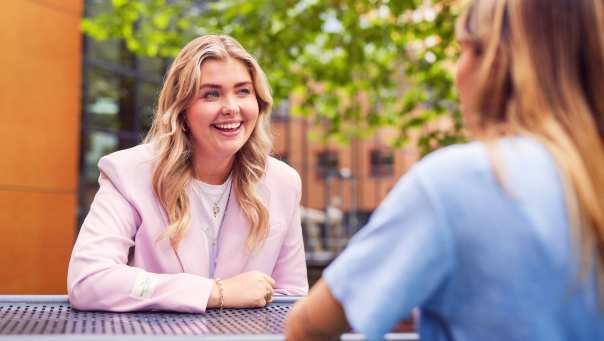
(224,114)
(465,81)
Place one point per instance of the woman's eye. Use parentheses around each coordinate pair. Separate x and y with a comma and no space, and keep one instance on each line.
(244,91)
(210,95)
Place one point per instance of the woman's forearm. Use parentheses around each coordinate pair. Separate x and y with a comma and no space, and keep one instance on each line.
(318,317)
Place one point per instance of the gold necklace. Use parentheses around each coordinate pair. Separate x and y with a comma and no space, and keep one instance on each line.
(215,207)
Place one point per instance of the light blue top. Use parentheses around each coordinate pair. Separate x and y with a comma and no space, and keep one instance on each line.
(482,262)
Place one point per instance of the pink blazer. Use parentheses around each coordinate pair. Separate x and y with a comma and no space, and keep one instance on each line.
(117,265)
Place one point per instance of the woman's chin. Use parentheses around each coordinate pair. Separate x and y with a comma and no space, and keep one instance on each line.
(229,149)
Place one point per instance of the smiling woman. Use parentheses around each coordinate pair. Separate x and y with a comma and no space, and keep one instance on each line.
(200,200)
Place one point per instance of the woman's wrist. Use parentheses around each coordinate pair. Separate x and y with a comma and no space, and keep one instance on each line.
(216,299)
(218,284)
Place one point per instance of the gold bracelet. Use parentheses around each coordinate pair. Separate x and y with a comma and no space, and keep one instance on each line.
(218,282)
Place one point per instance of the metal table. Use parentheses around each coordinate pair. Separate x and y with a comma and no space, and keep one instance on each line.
(43,317)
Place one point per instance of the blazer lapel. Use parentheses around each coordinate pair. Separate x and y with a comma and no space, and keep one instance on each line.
(192,251)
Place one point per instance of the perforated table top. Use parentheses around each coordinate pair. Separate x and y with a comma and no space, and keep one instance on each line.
(51,318)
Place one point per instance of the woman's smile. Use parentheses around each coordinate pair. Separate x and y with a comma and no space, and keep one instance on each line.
(228,128)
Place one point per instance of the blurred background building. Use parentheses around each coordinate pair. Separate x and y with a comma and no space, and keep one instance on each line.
(68,99)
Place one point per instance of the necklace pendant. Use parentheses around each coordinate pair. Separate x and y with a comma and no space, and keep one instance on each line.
(215,210)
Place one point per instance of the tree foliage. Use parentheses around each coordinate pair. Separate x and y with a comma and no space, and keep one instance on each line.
(351,65)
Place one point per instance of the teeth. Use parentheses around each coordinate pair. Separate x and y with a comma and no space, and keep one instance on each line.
(228,125)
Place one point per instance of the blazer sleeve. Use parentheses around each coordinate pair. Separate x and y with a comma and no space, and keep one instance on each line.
(98,275)
(290,270)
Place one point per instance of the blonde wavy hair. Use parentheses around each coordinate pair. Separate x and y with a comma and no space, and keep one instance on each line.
(540,74)
(173,167)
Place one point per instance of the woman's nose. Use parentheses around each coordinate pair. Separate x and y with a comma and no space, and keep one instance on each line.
(229,106)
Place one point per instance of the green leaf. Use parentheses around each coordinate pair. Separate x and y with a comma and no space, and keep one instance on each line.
(161,20)
(119,3)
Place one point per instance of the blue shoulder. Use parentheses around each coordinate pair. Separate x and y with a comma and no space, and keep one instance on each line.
(455,163)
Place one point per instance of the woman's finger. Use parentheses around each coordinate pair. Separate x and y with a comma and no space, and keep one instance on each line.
(270,280)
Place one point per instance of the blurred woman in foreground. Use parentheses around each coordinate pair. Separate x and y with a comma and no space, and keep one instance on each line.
(501,238)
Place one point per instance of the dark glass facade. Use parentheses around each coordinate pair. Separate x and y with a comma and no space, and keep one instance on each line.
(119,95)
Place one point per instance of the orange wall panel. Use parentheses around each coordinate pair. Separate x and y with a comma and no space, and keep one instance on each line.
(39,142)
(75,6)
(40,96)
(37,236)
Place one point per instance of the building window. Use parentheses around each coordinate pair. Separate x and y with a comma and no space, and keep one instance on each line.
(382,162)
(327,163)
(119,95)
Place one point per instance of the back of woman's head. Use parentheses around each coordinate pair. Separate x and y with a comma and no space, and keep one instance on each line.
(541,73)
(536,55)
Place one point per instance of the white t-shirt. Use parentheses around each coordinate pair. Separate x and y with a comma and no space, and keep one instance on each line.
(214,199)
